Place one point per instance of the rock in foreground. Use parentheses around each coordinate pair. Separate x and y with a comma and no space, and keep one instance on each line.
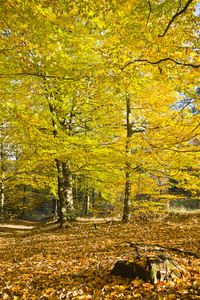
(150,269)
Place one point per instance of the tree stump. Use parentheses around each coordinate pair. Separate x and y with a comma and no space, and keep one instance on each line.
(150,269)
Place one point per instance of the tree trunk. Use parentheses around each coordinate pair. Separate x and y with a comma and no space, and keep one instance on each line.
(86,202)
(2,196)
(76,191)
(2,186)
(65,193)
(23,204)
(55,205)
(127,198)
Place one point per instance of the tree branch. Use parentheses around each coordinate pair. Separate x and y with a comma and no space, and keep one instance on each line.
(174,150)
(154,246)
(5,22)
(175,16)
(41,75)
(180,251)
(159,61)
(150,10)
(14,8)
(4,50)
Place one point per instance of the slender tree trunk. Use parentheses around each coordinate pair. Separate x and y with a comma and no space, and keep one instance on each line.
(87,195)
(86,202)
(76,191)
(2,185)
(65,193)
(128,183)
(2,196)
(55,204)
(93,198)
(24,202)
(127,198)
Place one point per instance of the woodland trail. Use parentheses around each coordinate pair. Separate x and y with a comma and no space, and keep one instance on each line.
(41,261)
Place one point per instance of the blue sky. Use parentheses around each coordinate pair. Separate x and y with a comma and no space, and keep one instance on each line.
(197,9)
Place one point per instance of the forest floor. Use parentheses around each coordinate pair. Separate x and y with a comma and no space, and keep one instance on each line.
(41,261)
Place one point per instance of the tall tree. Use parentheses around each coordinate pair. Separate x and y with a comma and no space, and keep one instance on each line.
(78,75)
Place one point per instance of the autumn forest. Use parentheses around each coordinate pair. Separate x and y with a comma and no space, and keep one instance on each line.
(100,147)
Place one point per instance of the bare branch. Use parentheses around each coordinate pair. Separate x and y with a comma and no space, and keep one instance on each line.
(180,4)
(159,61)
(150,10)
(5,22)
(196,127)
(175,16)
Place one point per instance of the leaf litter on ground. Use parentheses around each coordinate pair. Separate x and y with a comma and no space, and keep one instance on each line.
(42,261)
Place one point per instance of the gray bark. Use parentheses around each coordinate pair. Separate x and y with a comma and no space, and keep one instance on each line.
(55,208)
(127,197)
(23,203)
(65,193)
(128,183)
(2,185)
(159,267)
(2,196)
(76,188)
(86,202)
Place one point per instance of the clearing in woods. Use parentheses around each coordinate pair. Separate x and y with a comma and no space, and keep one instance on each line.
(42,261)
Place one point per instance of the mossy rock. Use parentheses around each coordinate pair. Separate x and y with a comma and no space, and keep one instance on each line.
(150,269)
(128,269)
